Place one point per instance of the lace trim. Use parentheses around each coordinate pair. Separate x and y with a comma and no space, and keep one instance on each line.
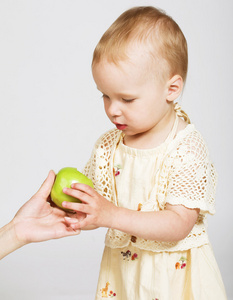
(196,238)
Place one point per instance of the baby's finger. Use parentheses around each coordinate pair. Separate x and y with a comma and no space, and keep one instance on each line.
(70,221)
(73,223)
(77,224)
(80,207)
(84,223)
(77,194)
(84,188)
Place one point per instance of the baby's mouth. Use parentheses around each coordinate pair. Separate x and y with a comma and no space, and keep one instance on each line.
(120,126)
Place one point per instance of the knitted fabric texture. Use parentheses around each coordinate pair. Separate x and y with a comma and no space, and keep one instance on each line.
(185,176)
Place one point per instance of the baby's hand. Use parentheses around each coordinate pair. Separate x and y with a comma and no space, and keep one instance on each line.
(96,211)
(74,218)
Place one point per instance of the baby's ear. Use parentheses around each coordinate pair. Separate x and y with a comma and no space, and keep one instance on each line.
(175,86)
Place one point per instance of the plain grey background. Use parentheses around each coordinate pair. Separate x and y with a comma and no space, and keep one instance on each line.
(51,114)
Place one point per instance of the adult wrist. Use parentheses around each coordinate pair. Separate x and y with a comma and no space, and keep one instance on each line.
(16,236)
(8,240)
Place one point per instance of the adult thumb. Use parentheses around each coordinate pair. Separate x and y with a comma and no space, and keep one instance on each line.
(47,185)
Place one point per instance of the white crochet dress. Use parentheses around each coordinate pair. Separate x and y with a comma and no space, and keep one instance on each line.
(176,172)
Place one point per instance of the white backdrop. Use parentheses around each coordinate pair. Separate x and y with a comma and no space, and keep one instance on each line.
(51,114)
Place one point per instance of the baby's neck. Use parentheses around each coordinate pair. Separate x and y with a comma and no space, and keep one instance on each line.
(152,138)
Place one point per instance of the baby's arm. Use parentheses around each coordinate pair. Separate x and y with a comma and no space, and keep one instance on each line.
(172,224)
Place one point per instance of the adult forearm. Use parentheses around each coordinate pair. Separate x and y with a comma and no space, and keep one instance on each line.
(160,226)
(8,240)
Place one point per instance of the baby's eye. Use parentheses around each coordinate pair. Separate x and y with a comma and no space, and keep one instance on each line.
(105,96)
(128,100)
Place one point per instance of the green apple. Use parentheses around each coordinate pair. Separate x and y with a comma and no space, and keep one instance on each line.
(64,178)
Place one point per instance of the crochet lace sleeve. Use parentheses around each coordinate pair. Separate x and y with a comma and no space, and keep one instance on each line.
(192,177)
(86,170)
(98,167)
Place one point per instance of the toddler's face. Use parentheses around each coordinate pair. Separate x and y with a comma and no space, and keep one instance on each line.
(134,97)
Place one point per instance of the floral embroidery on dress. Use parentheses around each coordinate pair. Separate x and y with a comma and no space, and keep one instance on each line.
(112,294)
(181,263)
(104,292)
(139,206)
(117,169)
(155,299)
(134,256)
(128,255)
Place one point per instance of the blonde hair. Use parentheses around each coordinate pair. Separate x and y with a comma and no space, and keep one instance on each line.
(146,25)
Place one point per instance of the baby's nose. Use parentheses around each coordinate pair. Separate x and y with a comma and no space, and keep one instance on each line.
(114,109)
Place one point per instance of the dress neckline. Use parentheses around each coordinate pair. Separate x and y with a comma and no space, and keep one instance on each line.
(160,148)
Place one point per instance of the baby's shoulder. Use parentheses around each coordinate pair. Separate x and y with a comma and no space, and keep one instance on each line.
(190,143)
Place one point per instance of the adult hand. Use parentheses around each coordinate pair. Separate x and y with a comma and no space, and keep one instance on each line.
(36,221)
